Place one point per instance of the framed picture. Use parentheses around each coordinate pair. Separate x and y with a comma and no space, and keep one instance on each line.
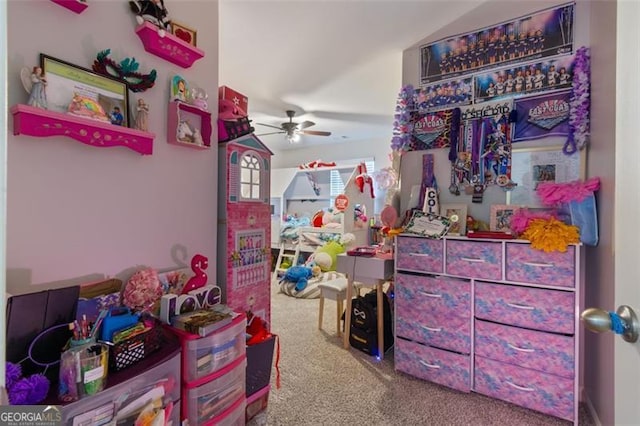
(79,91)
(501,217)
(427,225)
(457,214)
(184,33)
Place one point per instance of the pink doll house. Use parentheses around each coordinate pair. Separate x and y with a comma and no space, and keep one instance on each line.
(244,225)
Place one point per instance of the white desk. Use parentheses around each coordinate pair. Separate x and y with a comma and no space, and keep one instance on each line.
(370,271)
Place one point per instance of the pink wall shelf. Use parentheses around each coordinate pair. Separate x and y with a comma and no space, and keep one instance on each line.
(74,5)
(197,118)
(169,47)
(31,121)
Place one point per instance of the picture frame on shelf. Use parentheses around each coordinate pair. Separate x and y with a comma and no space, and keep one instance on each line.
(501,214)
(184,33)
(81,92)
(457,214)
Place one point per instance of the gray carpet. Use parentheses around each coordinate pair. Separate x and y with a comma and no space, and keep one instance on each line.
(324,384)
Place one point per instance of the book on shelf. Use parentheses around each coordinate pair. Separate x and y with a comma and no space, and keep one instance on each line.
(204,321)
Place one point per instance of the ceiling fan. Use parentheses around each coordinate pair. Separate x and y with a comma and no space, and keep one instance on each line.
(292,130)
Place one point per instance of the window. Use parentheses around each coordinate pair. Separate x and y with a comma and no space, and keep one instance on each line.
(250,174)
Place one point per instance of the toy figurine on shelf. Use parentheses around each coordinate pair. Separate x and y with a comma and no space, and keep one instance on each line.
(152,11)
(142,116)
(35,84)
(179,89)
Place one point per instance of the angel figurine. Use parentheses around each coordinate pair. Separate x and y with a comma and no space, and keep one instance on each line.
(35,83)
(142,116)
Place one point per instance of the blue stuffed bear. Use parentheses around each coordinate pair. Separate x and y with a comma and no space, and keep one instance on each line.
(298,275)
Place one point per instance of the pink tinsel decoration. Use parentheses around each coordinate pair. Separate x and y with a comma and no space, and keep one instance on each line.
(552,194)
(522,217)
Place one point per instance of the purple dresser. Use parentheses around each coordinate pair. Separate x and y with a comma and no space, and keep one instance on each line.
(491,316)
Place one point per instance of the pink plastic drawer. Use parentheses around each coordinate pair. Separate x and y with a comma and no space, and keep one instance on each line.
(232,416)
(442,367)
(527,265)
(419,254)
(211,399)
(474,259)
(435,294)
(209,354)
(528,388)
(440,330)
(540,309)
(546,352)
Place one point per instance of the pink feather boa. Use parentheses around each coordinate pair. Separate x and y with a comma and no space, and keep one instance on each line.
(552,194)
(522,217)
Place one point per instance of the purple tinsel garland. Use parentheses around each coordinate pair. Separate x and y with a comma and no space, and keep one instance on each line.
(402,127)
(25,390)
(579,103)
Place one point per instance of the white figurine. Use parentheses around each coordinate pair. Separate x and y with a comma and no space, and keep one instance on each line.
(142,116)
(35,84)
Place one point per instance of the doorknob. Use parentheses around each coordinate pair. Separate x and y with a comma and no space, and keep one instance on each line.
(624,321)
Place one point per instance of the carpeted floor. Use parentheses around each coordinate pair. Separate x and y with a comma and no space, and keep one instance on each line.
(324,384)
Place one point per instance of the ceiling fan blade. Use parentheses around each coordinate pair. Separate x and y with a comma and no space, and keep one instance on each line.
(271,133)
(305,124)
(315,133)
(269,125)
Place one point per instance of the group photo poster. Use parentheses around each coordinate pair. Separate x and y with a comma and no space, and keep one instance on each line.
(545,33)
(445,94)
(522,79)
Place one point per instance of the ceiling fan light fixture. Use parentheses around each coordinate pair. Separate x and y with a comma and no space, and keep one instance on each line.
(293,138)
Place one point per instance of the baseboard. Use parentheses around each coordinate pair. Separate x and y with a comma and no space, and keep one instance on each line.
(591,409)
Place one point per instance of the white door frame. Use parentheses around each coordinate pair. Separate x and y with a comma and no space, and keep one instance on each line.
(3,188)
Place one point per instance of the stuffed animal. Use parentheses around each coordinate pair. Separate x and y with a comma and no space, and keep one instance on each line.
(326,256)
(152,11)
(298,275)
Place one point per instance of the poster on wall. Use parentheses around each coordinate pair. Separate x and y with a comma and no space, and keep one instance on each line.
(545,33)
(445,94)
(522,79)
(542,116)
(431,130)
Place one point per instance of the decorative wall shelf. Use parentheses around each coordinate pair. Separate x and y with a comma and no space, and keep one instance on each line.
(169,47)
(74,5)
(198,119)
(31,121)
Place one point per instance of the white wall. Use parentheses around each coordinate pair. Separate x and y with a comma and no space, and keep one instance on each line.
(77,212)
(3,184)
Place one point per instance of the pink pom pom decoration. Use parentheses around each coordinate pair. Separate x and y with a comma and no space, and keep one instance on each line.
(143,290)
(522,218)
(552,194)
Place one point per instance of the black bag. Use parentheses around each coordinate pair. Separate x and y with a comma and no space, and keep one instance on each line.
(364,323)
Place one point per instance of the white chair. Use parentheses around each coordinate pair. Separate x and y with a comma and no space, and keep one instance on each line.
(334,289)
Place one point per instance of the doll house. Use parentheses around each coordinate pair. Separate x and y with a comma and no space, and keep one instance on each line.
(244,225)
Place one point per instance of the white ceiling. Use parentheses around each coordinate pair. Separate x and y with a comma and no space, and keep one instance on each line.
(337,63)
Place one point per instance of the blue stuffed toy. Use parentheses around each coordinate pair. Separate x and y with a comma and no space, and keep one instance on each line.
(298,275)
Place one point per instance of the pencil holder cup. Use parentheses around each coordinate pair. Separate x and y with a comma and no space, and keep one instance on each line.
(93,361)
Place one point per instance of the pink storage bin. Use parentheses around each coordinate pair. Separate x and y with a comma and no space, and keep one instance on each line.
(419,254)
(232,416)
(257,403)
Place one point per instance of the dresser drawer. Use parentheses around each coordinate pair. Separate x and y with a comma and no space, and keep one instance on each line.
(442,367)
(419,254)
(474,259)
(528,388)
(540,309)
(527,265)
(442,331)
(435,294)
(546,352)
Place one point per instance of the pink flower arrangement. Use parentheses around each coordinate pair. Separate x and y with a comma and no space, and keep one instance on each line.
(143,290)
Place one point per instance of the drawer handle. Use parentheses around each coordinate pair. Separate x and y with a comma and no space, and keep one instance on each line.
(473,259)
(426,364)
(540,265)
(420,254)
(424,293)
(435,330)
(520,387)
(525,307)
(520,349)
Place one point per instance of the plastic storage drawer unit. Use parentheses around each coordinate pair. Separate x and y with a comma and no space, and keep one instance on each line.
(203,403)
